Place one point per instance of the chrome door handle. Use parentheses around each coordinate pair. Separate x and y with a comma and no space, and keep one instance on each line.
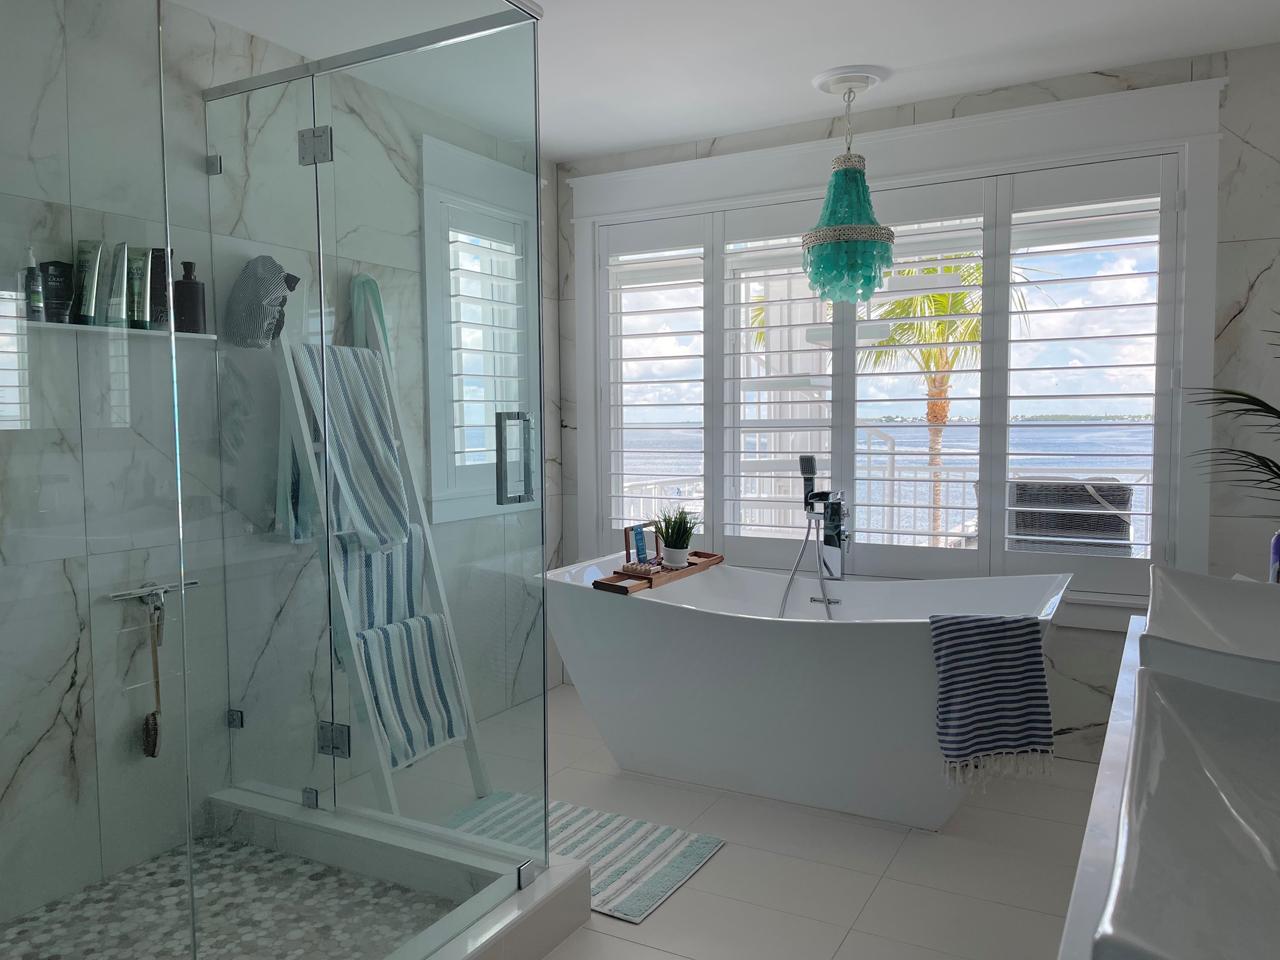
(524,492)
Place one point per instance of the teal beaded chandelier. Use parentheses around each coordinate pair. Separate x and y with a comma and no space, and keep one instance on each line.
(848,252)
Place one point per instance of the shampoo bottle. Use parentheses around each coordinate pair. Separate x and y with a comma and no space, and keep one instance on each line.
(33,286)
(188,301)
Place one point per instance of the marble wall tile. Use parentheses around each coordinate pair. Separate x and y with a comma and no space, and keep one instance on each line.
(41,225)
(473,566)
(199,53)
(113,92)
(33,75)
(377,176)
(1246,354)
(1082,666)
(128,431)
(564,230)
(1241,545)
(141,800)
(551,392)
(41,470)
(49,835)
(279,663)
(523,533)
(262,193)
(1249,162)
(1053,89)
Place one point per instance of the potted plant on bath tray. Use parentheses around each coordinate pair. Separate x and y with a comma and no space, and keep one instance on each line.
(675,530)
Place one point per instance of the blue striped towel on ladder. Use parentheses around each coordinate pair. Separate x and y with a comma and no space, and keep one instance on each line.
(351,385)
(993,698)
(414,687)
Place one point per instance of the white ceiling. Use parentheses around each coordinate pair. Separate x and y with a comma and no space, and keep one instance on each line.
(621,74)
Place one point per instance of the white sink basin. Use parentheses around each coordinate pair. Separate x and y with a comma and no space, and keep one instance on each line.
(1222,632)
(1196,874)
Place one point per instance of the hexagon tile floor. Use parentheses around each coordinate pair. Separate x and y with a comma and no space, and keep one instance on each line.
(251,903)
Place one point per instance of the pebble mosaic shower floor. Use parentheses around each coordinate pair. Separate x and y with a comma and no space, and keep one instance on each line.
(252,904)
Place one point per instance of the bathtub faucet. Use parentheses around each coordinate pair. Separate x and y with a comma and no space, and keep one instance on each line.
(825,519)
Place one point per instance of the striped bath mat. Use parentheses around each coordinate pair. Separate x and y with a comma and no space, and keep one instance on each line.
(635,865)
(993,699)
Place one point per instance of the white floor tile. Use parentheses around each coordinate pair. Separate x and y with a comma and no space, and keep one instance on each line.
(566,714)
(1033,798)
(967,927)
(792,831)
(1074,774)
(516,774)
(863,946)
(1031,837)
(598,759)
(586,944)
(980,870)
(808,889)
(702,926)
(668,804)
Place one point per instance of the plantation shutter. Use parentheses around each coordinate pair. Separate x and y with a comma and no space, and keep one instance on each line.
(777,387)
(1085,355)
(487,332)
(655,450)
(15,399)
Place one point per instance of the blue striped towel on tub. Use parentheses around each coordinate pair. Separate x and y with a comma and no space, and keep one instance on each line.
(993,698)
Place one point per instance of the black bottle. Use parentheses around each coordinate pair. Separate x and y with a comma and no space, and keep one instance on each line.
(188,301)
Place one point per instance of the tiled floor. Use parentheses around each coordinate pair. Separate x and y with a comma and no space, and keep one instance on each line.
(251,904)
(796,883)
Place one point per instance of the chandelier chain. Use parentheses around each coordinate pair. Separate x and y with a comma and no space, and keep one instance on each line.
(848,120)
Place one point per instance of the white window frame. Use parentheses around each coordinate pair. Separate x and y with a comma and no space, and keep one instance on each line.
(1178,122)
(455,179)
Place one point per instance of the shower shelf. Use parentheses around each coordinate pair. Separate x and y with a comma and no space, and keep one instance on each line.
(32,325)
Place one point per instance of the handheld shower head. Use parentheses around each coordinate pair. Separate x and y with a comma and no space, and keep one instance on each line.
(808,470)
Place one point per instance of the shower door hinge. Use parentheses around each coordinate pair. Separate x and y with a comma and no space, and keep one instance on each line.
(213,164)
(315,145)
(235,719)
(333,740)
(526,873)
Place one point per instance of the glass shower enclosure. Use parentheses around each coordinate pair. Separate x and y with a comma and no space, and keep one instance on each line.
(271,541)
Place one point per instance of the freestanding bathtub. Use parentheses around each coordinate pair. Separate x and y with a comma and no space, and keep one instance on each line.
(700,681)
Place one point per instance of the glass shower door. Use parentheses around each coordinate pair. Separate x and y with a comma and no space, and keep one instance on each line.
(384,648)
(266,290)
(431,259)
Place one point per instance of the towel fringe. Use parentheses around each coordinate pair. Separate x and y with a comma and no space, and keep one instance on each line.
(981,769)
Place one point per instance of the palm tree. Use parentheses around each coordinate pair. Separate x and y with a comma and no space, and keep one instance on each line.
(936,333)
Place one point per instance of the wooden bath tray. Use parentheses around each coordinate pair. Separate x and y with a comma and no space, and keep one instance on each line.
(626,583)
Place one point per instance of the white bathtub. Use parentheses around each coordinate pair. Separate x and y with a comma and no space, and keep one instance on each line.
(700,681)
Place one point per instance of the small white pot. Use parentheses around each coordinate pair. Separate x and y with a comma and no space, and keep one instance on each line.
(673,559)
